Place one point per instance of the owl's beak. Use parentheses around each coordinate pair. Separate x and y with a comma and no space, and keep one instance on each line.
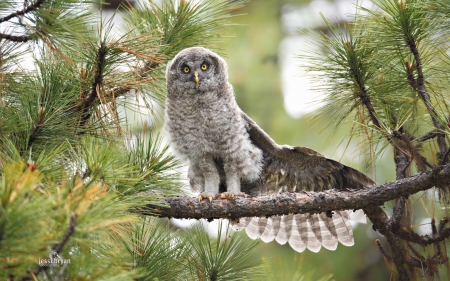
(196,77)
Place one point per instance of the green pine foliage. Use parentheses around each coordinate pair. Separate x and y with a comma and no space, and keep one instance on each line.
(227,258)
(72,171)
(371,61)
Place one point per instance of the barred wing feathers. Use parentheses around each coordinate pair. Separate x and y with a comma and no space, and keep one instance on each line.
(296,169)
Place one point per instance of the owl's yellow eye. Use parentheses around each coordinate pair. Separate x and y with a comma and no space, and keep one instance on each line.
(204,66)
(186,69)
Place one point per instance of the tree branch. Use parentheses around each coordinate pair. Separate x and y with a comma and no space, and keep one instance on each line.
(425,240)
(58,247)
(365,99)
(14,38)
(98,80)
(297,203)
(419,86)
(30,8)
(426,136)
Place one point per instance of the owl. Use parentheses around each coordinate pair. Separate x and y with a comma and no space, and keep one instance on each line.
(230,155)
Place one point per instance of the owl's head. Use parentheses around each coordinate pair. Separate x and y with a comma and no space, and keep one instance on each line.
(195,70)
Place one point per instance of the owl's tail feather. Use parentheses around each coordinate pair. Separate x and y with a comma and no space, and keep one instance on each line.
(303,231)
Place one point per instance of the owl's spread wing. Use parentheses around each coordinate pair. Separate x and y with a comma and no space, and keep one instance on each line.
(295,169)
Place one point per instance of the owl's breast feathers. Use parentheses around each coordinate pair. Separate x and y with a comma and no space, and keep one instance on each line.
(205,123)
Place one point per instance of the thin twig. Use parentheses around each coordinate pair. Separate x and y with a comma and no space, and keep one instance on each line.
(426,136)
(96,85)
(30,8)
(423,240)
(14,38)
(365,99)
(58,247)
(421,89)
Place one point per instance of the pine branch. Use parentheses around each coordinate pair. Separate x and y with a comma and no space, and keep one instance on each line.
(30,8)
(402,162)
(419,85)
(118,91)
(98,80)
(14,38)
(70,231)
(365,99)
(298,203)
(37,128)
(425,240)
(57,248)
(426,136)
(397,249)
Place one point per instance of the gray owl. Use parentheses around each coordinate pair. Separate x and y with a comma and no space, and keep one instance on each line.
(230,155)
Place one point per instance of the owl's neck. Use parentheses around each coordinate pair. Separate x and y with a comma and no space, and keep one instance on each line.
(208,98)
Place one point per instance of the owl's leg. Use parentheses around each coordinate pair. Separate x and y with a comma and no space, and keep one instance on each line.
(196,178)
(233,181)
(211,176)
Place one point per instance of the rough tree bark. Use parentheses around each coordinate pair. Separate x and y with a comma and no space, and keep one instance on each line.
(297,203)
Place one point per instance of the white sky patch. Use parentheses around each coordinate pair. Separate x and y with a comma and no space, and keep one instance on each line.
(299,98)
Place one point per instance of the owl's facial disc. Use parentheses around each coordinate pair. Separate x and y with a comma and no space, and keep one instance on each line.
(196,70)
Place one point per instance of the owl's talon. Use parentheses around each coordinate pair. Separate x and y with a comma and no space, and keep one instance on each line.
(206,195)
(232,195)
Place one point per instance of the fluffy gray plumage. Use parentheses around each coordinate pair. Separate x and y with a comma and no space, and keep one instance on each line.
(228,152)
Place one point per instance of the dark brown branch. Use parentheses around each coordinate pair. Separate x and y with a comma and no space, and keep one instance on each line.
(399,208)
(365,99)
(354,65)
(403,143)
(14,38)
(98,80)
(58,247)
(118,92)
(296,203)
(70,231)
(30,8)
(421,89)
(445,156)
(34,134)
(410,76)
(424,240)
(426,136)
(402,162)
(380,223)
